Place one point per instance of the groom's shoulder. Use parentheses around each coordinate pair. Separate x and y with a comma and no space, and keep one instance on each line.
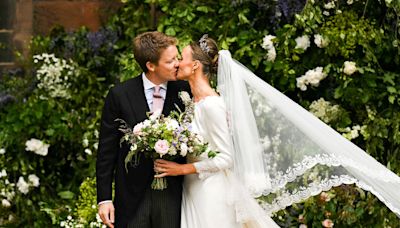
(126,85)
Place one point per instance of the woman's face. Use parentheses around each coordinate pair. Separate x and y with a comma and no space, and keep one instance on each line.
(186,64)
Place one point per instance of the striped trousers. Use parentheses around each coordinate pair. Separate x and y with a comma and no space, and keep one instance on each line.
(158,209)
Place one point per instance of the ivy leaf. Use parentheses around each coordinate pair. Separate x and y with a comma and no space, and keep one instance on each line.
(66,195)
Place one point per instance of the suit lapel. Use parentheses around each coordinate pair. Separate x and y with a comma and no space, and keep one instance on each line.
(137,99)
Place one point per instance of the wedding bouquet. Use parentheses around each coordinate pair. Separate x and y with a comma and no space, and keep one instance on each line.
(164,137)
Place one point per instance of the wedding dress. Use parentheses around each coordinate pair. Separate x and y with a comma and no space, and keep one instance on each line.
(210,196)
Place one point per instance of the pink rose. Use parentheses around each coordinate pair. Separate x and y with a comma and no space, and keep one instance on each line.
(137,130)
(327,223)
(161,147)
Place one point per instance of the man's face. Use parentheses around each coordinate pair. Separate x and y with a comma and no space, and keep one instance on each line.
(167,66)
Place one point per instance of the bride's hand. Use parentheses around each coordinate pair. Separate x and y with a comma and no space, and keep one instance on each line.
(169,168)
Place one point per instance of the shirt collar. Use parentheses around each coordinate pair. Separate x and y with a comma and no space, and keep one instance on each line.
(147,84)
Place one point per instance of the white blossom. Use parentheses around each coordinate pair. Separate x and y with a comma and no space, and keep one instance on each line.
(53,75)
(349,67)
(326,13)
(349,2)
(37,146)
(22,185)
(2,151)
(271,54)
(267,42)
(269,46)
(320,41)
(34,180)
(184,149)
(5,203)
(312,77)
(329,5)
(302,42)
(88,151)
(3,173)
(185,97)
(85,142)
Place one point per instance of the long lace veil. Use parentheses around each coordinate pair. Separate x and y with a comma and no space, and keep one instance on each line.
(286,154)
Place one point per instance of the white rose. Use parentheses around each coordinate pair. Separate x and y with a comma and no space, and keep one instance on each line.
(34,180)
(271,54)
(267,42)
(137,130)
(349,67)
(172,124)
(161,147)
(5,203)
(2,151)
(329,5)
(320,41)
(37,146)
(184,149)
(302,42)
(22,185)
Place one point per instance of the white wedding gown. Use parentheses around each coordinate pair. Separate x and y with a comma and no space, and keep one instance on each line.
(213,197)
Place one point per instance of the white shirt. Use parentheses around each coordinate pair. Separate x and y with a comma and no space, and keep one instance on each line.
(148,92)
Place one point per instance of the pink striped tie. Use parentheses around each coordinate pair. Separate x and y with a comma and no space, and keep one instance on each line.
(158,101)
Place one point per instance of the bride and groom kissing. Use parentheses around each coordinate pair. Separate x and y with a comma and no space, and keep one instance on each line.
(197,188)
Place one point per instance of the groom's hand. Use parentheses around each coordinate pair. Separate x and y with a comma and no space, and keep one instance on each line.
(106,212)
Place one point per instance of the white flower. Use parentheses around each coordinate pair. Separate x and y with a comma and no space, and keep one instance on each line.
(172,124)
(37,146)
(155,115)
(96,145)
(349,67)
(303,226)
(137,130)
(22,185)
(88,151)
(320,41)
(34,180)
(271,54)
(3,173)
(267,42)
(302,42)
(161,147)
(172,151)
(2,151)
(184,149)
(329,5)
(326,13)
(85,142)
(312,77)
(349,2)
(5,203)
(185,97)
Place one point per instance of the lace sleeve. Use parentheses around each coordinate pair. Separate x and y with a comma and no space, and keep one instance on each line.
(217,129)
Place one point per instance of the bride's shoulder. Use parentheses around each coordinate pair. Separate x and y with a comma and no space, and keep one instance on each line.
(213,102)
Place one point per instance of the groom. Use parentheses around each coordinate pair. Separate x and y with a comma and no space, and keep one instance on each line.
(136,204)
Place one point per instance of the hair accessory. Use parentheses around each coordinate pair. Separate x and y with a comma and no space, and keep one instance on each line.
(203,44)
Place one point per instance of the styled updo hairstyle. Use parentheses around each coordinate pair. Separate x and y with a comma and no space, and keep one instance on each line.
(206,51)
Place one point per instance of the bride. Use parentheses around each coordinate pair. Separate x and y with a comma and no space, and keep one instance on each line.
(269,148)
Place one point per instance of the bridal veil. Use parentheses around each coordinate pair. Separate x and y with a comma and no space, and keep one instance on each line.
(284,154)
